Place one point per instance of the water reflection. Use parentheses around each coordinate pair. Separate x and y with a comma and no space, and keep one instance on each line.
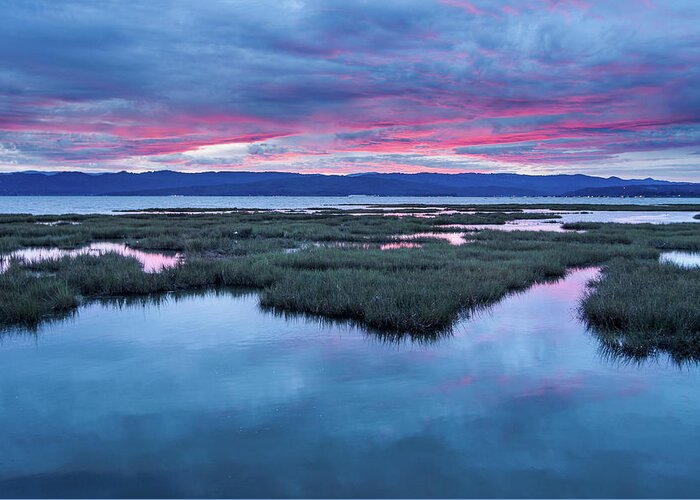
(688,260)
(629,217)
(555,225)
(150,261)
(515,225)
(455,239)
(209,396)
(641,350)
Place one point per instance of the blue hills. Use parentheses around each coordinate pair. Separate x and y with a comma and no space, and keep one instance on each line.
(164,183)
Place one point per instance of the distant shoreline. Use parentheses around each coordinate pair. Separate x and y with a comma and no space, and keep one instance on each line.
(430,185)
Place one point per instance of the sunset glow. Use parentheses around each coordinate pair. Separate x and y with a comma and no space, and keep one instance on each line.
(534,87)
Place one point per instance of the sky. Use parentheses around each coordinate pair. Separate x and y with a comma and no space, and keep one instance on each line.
(528,86)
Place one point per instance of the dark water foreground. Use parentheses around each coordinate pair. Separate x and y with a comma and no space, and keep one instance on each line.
(208,396)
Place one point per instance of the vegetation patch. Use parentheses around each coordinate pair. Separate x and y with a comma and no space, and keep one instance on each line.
(641,308)
(294,260)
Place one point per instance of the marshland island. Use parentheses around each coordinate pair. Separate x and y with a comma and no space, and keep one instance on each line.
(397,270)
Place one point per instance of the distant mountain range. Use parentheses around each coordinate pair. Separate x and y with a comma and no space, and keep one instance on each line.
(164,183)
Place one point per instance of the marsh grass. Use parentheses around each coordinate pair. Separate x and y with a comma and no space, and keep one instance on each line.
(419,291)
(641,308)
(26,300)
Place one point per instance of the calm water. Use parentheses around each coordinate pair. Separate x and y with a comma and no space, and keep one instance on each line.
(625,217)
(620,217)
(455,239)
(107,204)
(688,260)
(208,396)
(459,237)
(151,262)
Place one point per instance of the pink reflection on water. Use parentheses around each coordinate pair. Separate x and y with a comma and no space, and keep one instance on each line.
(557,385)
(541,304)
(452,238)
(455,384)
(516,225)
(633,387)
(568,289)
(150,262)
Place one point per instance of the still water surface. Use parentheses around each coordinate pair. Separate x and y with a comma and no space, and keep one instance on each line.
(208,396)
(555,225)
(43,205)
(688,260)
(151,262)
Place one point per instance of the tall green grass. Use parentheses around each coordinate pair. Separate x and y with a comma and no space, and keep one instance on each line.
(26,300)
(641,308)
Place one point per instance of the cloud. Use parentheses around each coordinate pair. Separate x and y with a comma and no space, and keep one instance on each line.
(524,85)
(265,150)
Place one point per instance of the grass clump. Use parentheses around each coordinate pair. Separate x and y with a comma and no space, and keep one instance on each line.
(582,226)
(25,300)
(638,309)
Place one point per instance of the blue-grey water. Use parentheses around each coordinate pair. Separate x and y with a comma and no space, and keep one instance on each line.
(209,396)
(43,205)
